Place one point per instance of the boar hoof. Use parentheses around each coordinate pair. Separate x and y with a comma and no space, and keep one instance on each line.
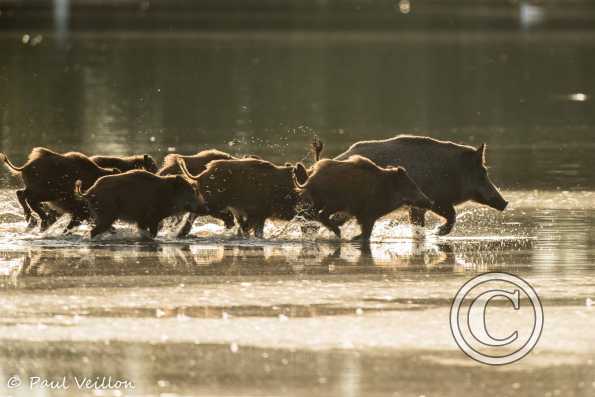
(356,238)
(309,229)
(443,230)
(32,223)
(184,230)
(44,226)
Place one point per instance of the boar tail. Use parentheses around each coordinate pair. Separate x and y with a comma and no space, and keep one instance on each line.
(187,174)
(78,188)
(300,176)
(317,147)
(13,168)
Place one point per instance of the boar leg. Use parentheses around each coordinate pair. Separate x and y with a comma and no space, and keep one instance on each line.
(366,225)
(324,218)
(250,223)
(446,211)
(417,216)
(259,227)
(153,229)
(187,226)
(227,218)
(74,222)
(245,226)
(102,225)
(22,197)
(254,223)
(35,205)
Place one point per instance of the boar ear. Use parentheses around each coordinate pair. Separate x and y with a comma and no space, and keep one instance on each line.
(481,150)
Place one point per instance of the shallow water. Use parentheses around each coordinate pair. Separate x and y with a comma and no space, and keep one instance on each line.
(212,314)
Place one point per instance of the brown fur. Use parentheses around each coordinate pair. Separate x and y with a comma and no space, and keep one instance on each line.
(127,163)
(448,173)
(196,163)
(254,190)
(49,177)
(140,197)
(360,188)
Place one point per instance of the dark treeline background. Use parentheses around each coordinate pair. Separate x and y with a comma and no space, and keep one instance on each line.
(264,76)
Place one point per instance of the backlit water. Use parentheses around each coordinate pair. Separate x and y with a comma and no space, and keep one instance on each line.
(298,315)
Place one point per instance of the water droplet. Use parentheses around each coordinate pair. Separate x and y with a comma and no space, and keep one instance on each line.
(152,139)
(25,39)
(578,97)
(37,39)
(234,347)
(405,6)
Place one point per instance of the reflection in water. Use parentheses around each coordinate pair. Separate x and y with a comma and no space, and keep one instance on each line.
(265,258)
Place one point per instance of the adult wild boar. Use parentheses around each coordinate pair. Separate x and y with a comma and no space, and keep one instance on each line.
(49,177)
(137,196)
(448,173)
(127,163)
(253,190)
(360,188)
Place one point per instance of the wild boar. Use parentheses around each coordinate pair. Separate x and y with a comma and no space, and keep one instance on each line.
(448,173)
(139,197)
(49,177)
(253,190)
(196,164)
(360,188)
(127,163)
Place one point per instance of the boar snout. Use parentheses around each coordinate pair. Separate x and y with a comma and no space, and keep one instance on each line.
(491,197)
(500,205)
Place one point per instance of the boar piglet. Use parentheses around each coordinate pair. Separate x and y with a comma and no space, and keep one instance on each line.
(49,177)
(360,188)
(196,164)
(139,197)
(253,190)
(127,163)
(448,173)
